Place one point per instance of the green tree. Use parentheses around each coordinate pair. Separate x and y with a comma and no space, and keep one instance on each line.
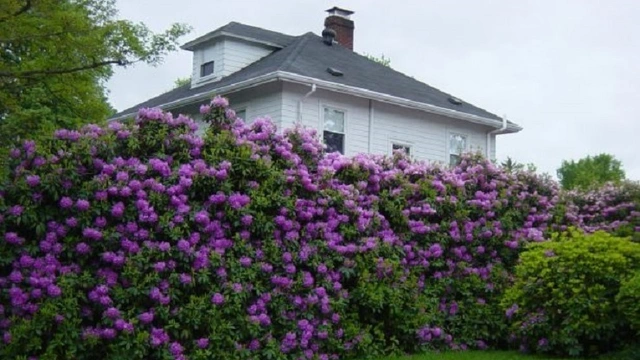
(511,165)
(179,82)
(381,60)
(590,172)
(55,56)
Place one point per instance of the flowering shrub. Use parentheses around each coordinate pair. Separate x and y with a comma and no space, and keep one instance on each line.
(612,208)
(146,241)
(563,300)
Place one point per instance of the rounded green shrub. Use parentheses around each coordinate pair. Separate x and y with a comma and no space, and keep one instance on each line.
(628,300)
(563,299)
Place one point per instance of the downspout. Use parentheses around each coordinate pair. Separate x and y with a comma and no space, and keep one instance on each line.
(370,145)
(302,99)
(503,128)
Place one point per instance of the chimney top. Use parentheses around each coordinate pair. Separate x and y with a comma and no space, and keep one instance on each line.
(339,20)
(344,13)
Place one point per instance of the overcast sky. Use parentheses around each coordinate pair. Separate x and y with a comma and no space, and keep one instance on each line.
(568,71)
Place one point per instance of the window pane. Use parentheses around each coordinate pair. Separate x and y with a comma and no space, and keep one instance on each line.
(454,160)
(206,69)
(397,147)
(334,142)
(334,120)
(457,144)
(242,114)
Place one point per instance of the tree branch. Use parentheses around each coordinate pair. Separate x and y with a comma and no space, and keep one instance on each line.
(27,74)
(21,11)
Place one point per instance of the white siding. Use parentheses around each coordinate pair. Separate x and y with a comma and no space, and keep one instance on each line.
(229,55)
(212,52)
(356,114)
(238,54)
(427,134)
(261,101)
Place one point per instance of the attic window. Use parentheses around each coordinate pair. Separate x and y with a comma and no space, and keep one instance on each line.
(206,69)
(455,100)
(334,71)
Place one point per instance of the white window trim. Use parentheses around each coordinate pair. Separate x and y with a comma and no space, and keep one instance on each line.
(448,144)
(321,108)
(241,107)
(403,143)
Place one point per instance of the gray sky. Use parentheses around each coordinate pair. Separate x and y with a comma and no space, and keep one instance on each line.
(568,71)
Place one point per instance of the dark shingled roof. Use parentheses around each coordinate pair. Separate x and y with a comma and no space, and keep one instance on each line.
(246,31)
(308,55)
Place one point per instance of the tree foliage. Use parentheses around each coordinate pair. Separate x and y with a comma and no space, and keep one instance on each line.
(380,60)
(55,56)
(182,81)
(590,172)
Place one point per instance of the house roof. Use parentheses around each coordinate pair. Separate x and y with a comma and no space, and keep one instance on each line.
(308,56)
(247,32)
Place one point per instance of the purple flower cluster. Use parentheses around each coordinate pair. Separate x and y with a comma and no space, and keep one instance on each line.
(257,233)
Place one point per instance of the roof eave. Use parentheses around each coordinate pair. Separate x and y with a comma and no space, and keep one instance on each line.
(193,44)
(346,89)
(369,94)
(263,79)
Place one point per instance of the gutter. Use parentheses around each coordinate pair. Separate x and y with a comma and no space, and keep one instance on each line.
(503,128)
(302,99)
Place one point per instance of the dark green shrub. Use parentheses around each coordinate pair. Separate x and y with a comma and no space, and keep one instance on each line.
(563,300)
(628,300)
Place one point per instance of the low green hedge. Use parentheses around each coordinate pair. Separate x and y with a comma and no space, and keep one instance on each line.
(563,300)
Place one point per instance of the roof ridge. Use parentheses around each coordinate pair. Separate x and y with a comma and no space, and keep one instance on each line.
(296,48)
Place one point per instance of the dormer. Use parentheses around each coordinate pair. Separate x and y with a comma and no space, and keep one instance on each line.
(231,48)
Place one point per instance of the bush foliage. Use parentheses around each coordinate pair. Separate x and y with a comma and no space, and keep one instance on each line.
(628,300)
(563,300)
(145,241)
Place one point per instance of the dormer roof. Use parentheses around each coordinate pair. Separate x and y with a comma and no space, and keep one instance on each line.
(243,32)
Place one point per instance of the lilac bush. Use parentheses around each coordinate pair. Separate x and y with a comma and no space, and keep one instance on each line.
(612,208)
(144,240)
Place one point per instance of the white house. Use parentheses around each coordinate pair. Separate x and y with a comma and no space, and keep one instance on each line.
(358,105)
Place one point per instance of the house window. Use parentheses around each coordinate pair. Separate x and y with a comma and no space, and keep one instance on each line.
(242,114)
(457,146)
(206,69)
(400,147)
(333,133)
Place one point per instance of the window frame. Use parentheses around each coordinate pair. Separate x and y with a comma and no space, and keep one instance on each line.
(450,134)
(344,134)
(400,143)
(240,108)
(213,69)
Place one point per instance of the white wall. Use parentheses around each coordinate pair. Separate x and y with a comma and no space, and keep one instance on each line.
(427,134)
(229,55)
(261,101)
(211,52)
(238,54)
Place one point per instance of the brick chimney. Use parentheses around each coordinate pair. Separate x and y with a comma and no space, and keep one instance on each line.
(339,20)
